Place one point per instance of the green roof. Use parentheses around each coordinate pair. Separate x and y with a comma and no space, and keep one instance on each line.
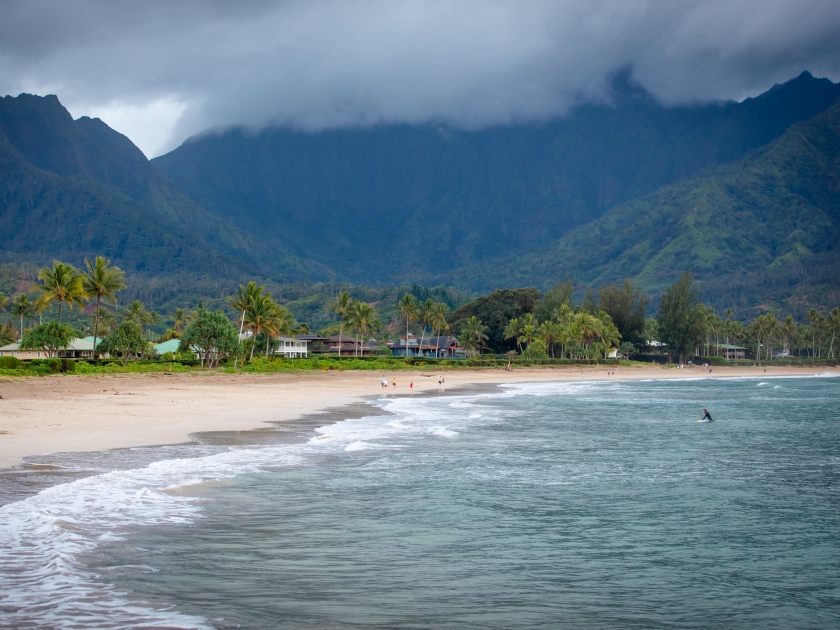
(168,346)
(726,346)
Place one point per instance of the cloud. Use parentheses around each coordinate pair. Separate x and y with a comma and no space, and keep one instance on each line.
(162,71)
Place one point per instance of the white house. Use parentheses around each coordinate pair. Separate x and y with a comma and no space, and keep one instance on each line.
(292,348)
(76,349)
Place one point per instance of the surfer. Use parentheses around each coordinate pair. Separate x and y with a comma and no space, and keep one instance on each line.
(707,416)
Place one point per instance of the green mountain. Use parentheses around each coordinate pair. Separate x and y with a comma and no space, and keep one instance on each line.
(762,231)
(76,188)
(399,202)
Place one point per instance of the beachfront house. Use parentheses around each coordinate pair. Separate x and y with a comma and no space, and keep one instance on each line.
(443,347)
(292,348)
(76,349)
(730,352)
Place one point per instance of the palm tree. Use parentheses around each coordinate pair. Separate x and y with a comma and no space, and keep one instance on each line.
(788,330)
(529,329)
(103,281)
(179,321)
(472,334)
(409,311)
(425,316)
(439,323)
(21,307)
(260,314)
(814,318)
(63,283)
(4,301)
(550,331)
(834,327)
(362,317)
(340,307)
(137,313)
(514,331)
(242,299)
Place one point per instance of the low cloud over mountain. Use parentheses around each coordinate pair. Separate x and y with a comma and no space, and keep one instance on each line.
(161,71)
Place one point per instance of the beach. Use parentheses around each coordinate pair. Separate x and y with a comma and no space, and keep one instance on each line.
(40,415)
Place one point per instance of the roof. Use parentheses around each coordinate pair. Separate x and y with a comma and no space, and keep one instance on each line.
(168,346)
(90,340)
(428,342)
(726,346)
(75,344)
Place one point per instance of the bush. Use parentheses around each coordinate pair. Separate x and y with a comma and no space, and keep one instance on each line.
(54,365)
(536,350)
(68,366)
(10,363)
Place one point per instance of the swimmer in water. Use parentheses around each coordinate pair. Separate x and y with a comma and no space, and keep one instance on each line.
(707,416)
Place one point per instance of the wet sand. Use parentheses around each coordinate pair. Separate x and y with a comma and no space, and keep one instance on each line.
(62,413)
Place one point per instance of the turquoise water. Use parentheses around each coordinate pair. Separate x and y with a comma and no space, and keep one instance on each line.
(596,504)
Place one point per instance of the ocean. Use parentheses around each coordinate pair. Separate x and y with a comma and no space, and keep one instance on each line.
(597,504)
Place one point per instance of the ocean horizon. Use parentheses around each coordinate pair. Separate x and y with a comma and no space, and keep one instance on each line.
(596,503)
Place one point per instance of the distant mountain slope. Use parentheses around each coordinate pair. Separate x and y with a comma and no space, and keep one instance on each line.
(764,229)
(80,188)
(395,202)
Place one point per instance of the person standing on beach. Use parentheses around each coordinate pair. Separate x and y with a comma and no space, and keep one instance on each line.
(384,383)
(394,382)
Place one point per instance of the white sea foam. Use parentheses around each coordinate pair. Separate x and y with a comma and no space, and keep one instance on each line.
(42,581)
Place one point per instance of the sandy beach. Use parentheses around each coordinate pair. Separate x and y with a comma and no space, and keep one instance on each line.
(85,413)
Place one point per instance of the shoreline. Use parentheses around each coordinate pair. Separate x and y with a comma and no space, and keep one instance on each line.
(64,413)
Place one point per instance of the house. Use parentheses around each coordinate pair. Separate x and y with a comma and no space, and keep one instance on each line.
(13,350)
(292,348)
(443,347)
(729,352)
(76,349)
(613,354)
(315,344)
(167,346)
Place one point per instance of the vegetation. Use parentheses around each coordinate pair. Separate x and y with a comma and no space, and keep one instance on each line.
(126,342)
(101,281)
(680,321)
(212,335)
(49,338)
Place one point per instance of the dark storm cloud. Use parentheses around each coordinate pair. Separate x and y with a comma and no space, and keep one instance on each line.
(316,64)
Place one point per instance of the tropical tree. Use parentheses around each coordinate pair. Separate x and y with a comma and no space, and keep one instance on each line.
(21,307)
(242,299)
(473,334)
(438,322)
(425,315)
(626,305)
(513,330)
(126,341)
(261,314)
(103,282)
(340,307)
(787,330)
(409,312)
(137,313)
(362,318)
(816,321)
(4,301)
(281,323)
(49,337)
(8,334)
(212,335)
(680,321)
(833,321)
(180,319)
(529,329)
(550,332)
(62,283)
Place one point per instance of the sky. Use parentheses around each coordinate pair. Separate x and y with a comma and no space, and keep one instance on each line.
(161,71)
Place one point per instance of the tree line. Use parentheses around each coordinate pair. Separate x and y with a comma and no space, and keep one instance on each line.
(520,321)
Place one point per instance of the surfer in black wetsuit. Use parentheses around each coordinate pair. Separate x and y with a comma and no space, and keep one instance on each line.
(707,416)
